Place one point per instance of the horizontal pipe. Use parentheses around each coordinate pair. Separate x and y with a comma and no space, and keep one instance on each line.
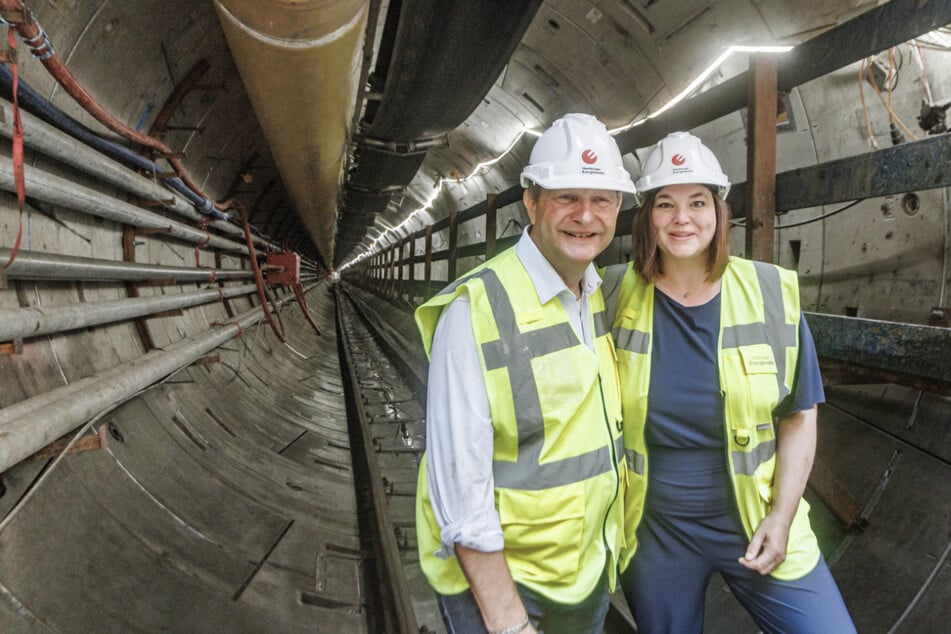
(47,139)
(60,191)
(33,322)
(28,426)
(34,265)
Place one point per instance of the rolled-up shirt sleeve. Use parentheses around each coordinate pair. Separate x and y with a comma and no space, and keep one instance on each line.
(459,438)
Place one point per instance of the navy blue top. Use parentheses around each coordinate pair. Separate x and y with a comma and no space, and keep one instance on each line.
(685,427)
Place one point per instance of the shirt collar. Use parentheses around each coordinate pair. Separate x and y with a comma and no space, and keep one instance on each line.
(548,283)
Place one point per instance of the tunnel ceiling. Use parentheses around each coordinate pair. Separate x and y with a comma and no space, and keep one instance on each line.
(335,123)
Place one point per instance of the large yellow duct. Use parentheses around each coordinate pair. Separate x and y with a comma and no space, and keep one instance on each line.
(300,63)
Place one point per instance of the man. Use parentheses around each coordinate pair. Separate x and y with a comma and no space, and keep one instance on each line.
(519,495)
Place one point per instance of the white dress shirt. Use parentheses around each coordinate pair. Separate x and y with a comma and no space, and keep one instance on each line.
(459,433)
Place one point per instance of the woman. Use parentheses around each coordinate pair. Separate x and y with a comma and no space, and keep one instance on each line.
(719,382)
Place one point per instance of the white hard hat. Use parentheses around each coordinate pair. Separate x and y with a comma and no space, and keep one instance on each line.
(577,152)
(679,158)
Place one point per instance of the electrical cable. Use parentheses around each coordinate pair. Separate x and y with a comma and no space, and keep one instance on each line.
(258,276)
(892,113)
(18,175)
(299,294)
(870,137)
(822,217)
(42,49)
(742,223)
(35,485)
(924,71)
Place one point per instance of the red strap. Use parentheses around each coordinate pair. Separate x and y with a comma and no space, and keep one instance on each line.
(224,324)
(299,294)
(17,150)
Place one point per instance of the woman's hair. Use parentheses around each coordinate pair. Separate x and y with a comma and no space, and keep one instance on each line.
(647,256)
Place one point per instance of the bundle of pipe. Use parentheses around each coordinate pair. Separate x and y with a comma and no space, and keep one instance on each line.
(28,426)
(90,158)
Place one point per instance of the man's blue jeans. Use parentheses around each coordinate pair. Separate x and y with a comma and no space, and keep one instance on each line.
(462,616)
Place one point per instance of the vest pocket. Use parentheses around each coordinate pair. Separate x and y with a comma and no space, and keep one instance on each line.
(760,374)
(543,532)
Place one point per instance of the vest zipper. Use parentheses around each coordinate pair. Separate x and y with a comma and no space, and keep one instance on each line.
(614,461)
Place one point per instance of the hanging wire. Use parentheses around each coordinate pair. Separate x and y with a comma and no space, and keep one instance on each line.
(924,71)
(35,485)
(893,116)
(742,223)
(868,120)
(822,217)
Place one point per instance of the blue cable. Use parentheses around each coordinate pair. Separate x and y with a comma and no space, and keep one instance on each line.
(37,105)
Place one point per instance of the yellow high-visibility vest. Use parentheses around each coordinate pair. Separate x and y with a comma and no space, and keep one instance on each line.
(758,347)
(558,462)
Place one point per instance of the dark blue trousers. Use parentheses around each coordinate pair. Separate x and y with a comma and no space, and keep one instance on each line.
(666,582)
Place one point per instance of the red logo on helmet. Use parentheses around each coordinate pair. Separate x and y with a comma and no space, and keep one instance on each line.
(589,156)
(678,159)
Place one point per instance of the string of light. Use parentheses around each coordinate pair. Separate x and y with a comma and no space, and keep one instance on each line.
(698,81)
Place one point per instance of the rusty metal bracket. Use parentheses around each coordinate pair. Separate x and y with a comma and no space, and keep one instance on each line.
(12,347)
(86,443)
(152,231)
(141,202)
(208,359)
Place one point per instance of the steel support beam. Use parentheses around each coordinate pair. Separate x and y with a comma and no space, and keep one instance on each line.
(912,166)
(889,347)
(761,159)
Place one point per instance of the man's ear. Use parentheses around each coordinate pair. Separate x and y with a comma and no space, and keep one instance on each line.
(529,203)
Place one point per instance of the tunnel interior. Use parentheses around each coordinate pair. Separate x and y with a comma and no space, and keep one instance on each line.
(212,389)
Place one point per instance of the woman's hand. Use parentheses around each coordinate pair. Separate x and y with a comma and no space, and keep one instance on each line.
(767,549)
(795,451)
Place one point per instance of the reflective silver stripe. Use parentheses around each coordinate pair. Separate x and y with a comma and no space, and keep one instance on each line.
(744,335)
(601,325)
(774,331)
(634,341)
(514,350)
(534,477)
(781,334)
(635,461)
(452,286)
(746,462)
(611,289)
(531,344)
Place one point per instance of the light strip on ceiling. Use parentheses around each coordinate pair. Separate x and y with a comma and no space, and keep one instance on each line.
(684,94)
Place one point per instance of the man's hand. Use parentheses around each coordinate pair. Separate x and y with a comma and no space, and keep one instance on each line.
(493,589)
